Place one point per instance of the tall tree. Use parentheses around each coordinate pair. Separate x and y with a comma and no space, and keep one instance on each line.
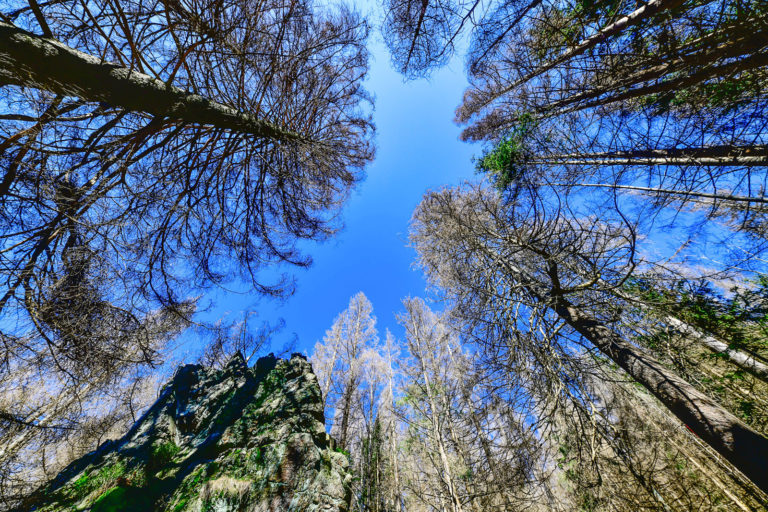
(485,253)
(151,149)
(610,97)
(387,415)
(340,360)
(357,376)
(428,342)
(185,142)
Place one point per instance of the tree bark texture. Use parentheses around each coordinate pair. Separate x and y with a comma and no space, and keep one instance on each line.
(730,437)
(743,360)
(29,60)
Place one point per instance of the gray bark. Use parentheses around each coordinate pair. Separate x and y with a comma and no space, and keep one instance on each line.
(722,197)
(730,437)
(29,60)
(647,10)
(741,359)
(720,161)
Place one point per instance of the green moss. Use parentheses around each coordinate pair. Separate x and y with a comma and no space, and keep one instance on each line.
(112,500)
(122,499)
(110,472)
(163,453)
(90,481)
(181,505)
(342,451)
(80,486)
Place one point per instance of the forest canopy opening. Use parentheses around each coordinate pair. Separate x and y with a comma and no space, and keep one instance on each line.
(588,328)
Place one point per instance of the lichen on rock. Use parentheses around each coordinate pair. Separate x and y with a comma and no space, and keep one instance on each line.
(235,439)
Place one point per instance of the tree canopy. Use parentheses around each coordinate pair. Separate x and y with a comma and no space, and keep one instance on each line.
(152,149)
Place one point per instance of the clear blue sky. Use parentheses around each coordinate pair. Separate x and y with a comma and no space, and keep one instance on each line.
(417,149)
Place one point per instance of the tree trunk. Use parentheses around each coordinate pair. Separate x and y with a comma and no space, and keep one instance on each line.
(437,432)
(672,192)
(419,23)
(743,360)
(460,450)
(397,494)
(490,458)
(743,447)
(447,476)
(756,155)
(345,411)
(29,60)
(646,11)
(397,498)
(730,48)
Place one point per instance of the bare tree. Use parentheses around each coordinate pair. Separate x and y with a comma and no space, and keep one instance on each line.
(339,361)
(427,390)
(665,97)
(154,181)
(482,252)
(150,150)
(239,337)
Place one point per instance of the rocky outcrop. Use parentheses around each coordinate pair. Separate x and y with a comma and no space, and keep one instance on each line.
(236,439)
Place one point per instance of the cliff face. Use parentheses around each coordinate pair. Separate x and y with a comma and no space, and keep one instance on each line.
(237,439)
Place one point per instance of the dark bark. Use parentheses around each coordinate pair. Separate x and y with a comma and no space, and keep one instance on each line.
(742,47)
(648,10)
(424,5)
(29,60)
(345,412)
(743,447)
(727,155)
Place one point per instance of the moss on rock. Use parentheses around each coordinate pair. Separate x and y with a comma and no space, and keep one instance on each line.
(238,438)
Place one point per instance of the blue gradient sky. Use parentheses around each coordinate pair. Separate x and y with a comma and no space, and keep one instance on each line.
(417,149)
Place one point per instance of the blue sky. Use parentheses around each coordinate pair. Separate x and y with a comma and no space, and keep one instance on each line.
(417,149)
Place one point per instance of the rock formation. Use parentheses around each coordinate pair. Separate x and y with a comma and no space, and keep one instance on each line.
(235,439)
